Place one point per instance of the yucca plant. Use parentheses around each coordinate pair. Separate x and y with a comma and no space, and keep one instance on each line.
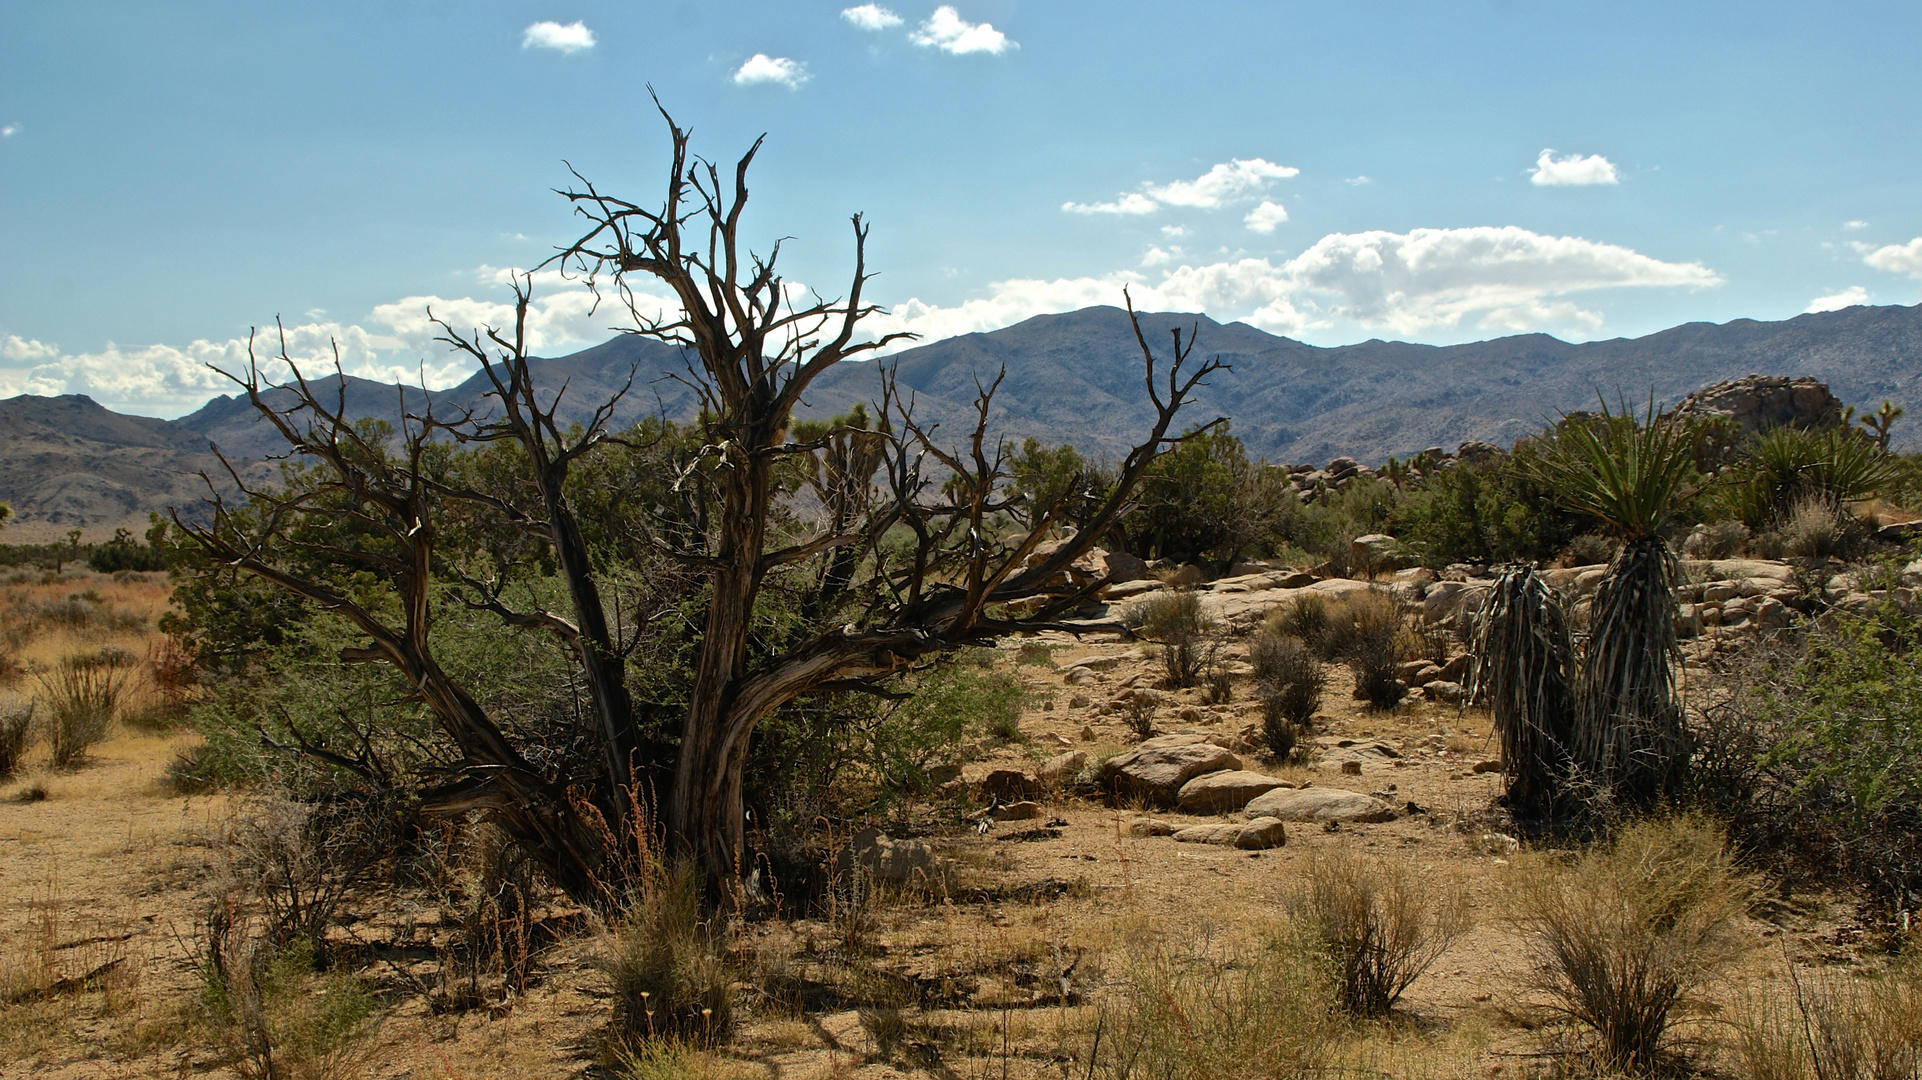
(1787,465)
(1632,476)
(1526,672)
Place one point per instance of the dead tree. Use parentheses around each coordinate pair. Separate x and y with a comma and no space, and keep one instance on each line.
(872,610)
(755,353)
(365,503)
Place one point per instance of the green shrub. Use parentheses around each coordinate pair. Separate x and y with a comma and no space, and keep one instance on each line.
(82,695)
(16,728)
(1290,682)
(274,1017)
(1304,618)
(1175,620)
(1359,621)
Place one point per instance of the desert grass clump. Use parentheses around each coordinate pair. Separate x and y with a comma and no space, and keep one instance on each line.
(16,730)
(1356,621)
(1289,681)
(1715,540)
(1787,464)
(1175,620)
(273,1016)
(1204,1011)
(1525,671)
(1305,617)
(1816,528)
(1836,1027)
(664,961)
(82,694)
(1625,937)
(1380,922)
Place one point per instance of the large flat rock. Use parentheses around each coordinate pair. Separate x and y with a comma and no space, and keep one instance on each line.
(1257,835)
(1320,804)
(1222,792)
(1156,770)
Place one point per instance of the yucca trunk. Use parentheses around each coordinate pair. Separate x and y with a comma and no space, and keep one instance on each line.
(1526,672)
(1629,737)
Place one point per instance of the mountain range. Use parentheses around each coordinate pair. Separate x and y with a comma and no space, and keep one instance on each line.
(66,462)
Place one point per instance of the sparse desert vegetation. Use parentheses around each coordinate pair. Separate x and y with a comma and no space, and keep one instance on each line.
(493,745)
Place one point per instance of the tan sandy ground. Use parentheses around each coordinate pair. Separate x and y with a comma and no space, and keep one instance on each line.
(108,876)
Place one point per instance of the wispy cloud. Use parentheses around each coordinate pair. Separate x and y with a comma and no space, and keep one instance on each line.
(871,17)
(1264,218)
(762,68)
(1359,181)
(1572,170)
(1855,224)
(1229,181)
(9,131)
(947,31)
(1131,203)
(567,39)
(1852,296)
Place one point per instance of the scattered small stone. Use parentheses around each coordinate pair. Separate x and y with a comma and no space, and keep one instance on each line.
(1488,766)
(1151,827)
(1087,733)
(1351,768)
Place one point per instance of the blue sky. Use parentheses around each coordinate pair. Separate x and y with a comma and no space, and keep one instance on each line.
(171,175)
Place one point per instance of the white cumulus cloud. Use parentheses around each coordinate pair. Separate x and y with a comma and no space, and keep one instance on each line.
(1572,170)
(947,31)
(1853,296)
(762,68)
(1498,279)
(1225,182)
(1855,224)
(1895,258)
(871,17)
(1264,218)
(571,38)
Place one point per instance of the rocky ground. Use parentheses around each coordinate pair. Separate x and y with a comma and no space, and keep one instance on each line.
(1001,915)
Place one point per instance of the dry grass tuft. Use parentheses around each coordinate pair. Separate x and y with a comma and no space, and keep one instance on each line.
(16,729)
(1837,1028)
(1381,922)
(1207,1010)
(665,964)
(82,695)
(1626,937)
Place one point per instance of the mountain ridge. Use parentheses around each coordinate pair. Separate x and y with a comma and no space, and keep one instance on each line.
(1072,377)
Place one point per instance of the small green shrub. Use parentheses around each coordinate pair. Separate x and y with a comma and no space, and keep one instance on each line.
(1175,620)
(1304,618)
(1381,922)
(274,1017)
(1625,938)
(16,728)
(1290,683)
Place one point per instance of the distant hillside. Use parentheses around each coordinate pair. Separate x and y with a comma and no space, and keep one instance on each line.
(67,462)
